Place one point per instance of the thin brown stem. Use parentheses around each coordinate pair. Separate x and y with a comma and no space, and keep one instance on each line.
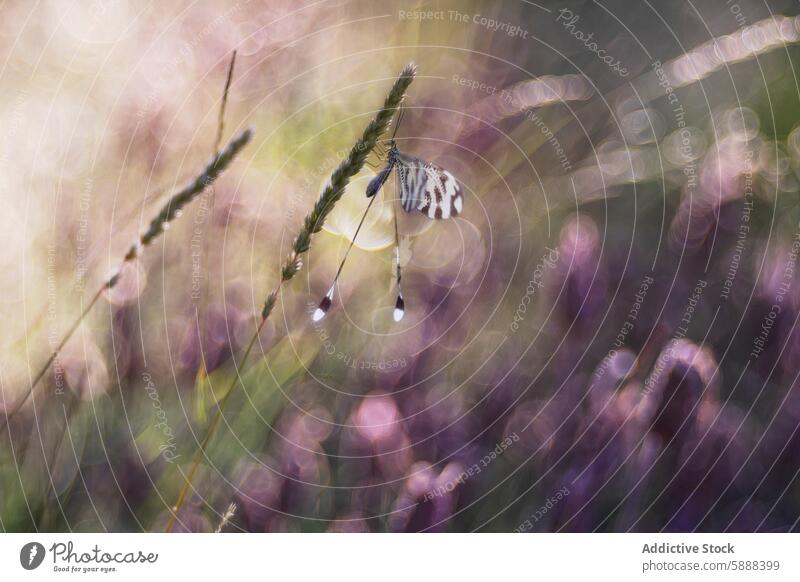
(169,211)
(7,418)
(224,104)
(202,310)
(210,431)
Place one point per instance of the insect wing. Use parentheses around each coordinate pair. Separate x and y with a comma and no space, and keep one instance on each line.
(428,188)
(442,197)
(411,177)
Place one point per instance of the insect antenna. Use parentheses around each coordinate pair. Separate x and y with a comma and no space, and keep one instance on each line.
(381,148)
(325,304)
(400,116)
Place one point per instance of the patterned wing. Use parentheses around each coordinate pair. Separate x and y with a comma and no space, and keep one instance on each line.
(428,188)
(410,177)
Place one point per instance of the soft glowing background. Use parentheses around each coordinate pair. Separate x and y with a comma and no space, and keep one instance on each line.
(575,178)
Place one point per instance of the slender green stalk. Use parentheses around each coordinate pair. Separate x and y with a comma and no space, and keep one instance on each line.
(312,224)
(168,212)
(224,104)
(209,433)
(202,309)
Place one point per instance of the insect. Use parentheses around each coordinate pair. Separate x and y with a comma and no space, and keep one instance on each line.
(422,186)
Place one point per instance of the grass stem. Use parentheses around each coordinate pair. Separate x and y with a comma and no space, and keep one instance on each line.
(168,212)
(312,224)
